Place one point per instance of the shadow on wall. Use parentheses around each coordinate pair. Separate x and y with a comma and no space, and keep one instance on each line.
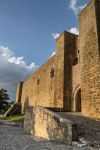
(26,104)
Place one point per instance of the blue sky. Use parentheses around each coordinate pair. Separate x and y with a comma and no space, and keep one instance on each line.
(27,29)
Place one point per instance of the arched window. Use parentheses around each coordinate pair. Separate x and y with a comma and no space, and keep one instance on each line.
(77,100)
(52,73)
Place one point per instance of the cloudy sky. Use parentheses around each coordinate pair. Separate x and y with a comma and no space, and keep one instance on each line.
(28,29)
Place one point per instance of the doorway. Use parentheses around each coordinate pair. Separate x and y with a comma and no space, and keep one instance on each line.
(78,101)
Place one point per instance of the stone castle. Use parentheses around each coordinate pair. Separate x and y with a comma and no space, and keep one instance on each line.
(70,80)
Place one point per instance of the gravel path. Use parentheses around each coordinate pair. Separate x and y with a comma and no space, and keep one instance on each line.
(2,122)
(14,138)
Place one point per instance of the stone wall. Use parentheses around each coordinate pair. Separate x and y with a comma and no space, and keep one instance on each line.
(65,55)
(51,85)
(38,89)
(69,59)
(76,63)
(90,60)
(19,92)
(28,120)
(43,123)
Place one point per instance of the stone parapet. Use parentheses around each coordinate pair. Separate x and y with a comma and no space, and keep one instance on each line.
(43,123)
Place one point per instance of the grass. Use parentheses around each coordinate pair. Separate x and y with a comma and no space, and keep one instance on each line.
(1,116)
(15,118)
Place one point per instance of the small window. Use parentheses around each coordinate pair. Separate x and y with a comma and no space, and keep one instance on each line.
(75,61)
(78,51)
(52,73)
(44,70)
(38,81)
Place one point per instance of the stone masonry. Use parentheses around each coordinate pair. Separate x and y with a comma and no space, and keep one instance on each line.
(45,124)
(70,80)
(90,59)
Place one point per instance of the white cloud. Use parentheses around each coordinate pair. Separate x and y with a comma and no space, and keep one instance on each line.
(82,7)
(55,35)
(74,30)
(53,54)
(75,6)
(13,70)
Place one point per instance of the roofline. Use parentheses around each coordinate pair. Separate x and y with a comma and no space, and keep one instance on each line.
(40,67)
(66,31)
(84,8)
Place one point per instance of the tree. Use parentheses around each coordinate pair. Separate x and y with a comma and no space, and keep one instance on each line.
(3,100)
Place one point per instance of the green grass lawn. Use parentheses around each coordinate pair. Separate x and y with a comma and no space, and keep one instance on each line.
(16,118)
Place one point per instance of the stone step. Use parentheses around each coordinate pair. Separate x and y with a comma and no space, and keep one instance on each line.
(88,130)
(13,110)
(80,146)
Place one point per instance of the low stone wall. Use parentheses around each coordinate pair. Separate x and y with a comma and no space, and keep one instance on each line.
(28,120)
(46,124)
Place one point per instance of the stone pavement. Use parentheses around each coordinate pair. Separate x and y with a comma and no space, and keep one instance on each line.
(2,122)
(14,138)
(88,129)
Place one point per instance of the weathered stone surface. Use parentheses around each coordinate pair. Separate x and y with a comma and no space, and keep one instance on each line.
(49,125)
(90,59)
(14,138)
(19,92)
(88,128)
(28,120)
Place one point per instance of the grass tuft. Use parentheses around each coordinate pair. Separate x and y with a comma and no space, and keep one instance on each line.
(15,118)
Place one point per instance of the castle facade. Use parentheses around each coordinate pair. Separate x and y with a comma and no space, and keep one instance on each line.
(70,80)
